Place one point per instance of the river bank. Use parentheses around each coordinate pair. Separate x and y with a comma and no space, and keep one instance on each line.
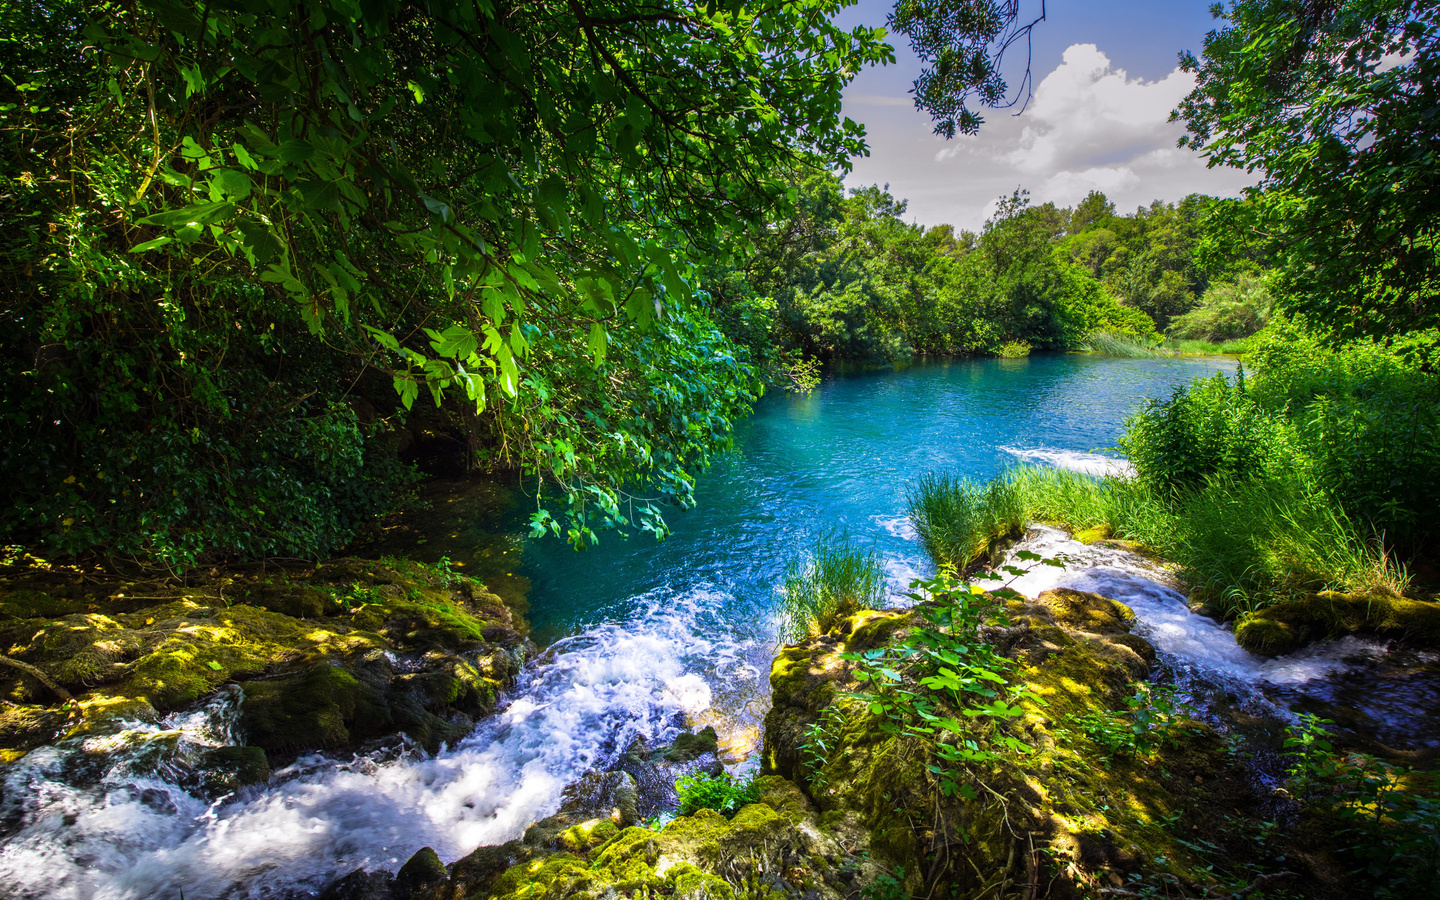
(134,767)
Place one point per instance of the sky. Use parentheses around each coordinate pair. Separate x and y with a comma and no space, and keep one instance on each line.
(1106,77)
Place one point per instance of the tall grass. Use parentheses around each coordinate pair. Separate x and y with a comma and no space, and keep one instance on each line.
(958,519)
(1077,501)
(1187,347)
(837,581)
(1237,543)
(1244,544)
(1122,345)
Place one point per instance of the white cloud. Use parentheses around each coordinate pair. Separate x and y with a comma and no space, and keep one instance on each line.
(1089,127)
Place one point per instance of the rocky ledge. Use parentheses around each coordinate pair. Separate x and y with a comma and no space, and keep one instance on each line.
(327,657)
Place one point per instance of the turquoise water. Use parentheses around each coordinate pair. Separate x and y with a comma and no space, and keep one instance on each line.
(842,457)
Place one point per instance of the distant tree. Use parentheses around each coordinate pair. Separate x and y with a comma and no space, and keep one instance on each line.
(1091,211)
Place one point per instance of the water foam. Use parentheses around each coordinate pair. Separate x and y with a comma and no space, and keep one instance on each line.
(1075,461)
(133,831)
(1183,637)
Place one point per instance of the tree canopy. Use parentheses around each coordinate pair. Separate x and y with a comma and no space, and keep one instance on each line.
(1336,103)
(223,220)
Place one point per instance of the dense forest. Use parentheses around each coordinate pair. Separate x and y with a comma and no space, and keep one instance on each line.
(236,326)
(847,278)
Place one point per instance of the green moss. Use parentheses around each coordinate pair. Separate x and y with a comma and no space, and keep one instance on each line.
(319,708)
(689,746)
(1284,627)
(872,628)
(1085,611)
(1102,532)
(582,837)
(1077,657)
(551,878)
(421,872)
(31,604)
(237,766)
(701,855)
(24,727)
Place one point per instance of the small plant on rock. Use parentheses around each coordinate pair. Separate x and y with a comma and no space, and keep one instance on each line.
(838,581)
(944,683)
(1151,716)
(721,793)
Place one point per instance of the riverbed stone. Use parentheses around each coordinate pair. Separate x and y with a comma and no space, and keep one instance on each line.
(422,872)
(235,767)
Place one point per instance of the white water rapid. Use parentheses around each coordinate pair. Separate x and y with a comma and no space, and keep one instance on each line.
(1184,638)
(1084,463)
(107,818)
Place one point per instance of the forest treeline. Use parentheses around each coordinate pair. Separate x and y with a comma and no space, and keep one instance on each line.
(257,257)
(847,277)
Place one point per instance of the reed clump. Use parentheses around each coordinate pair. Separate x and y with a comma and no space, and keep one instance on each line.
(958,519)
(839,580)
(1240,544)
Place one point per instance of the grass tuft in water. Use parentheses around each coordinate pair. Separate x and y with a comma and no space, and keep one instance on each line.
(958,519)
(837,581)
(1125,346)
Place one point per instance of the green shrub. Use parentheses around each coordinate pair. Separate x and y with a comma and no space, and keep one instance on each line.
(721,793)
(1368,419)
(1387,815)
(1229,310)
(958,519)
(839,580)
(1210,428)
(1151,717)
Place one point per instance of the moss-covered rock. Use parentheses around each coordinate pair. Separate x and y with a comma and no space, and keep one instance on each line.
(690,746)
(310,648)
(229,768)
(422,873)
(1102,532)
(776,848)
(1288,626)
(1084,611)
(1065,810)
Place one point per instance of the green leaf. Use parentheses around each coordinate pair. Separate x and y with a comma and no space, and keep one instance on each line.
(455,342)
(597,342)
(407,389)
(295,151)
(154,244)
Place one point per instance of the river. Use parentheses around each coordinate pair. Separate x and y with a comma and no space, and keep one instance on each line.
(643,637)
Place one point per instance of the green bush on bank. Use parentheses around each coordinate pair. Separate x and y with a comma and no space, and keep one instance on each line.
(1358,424)
(1317,471)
